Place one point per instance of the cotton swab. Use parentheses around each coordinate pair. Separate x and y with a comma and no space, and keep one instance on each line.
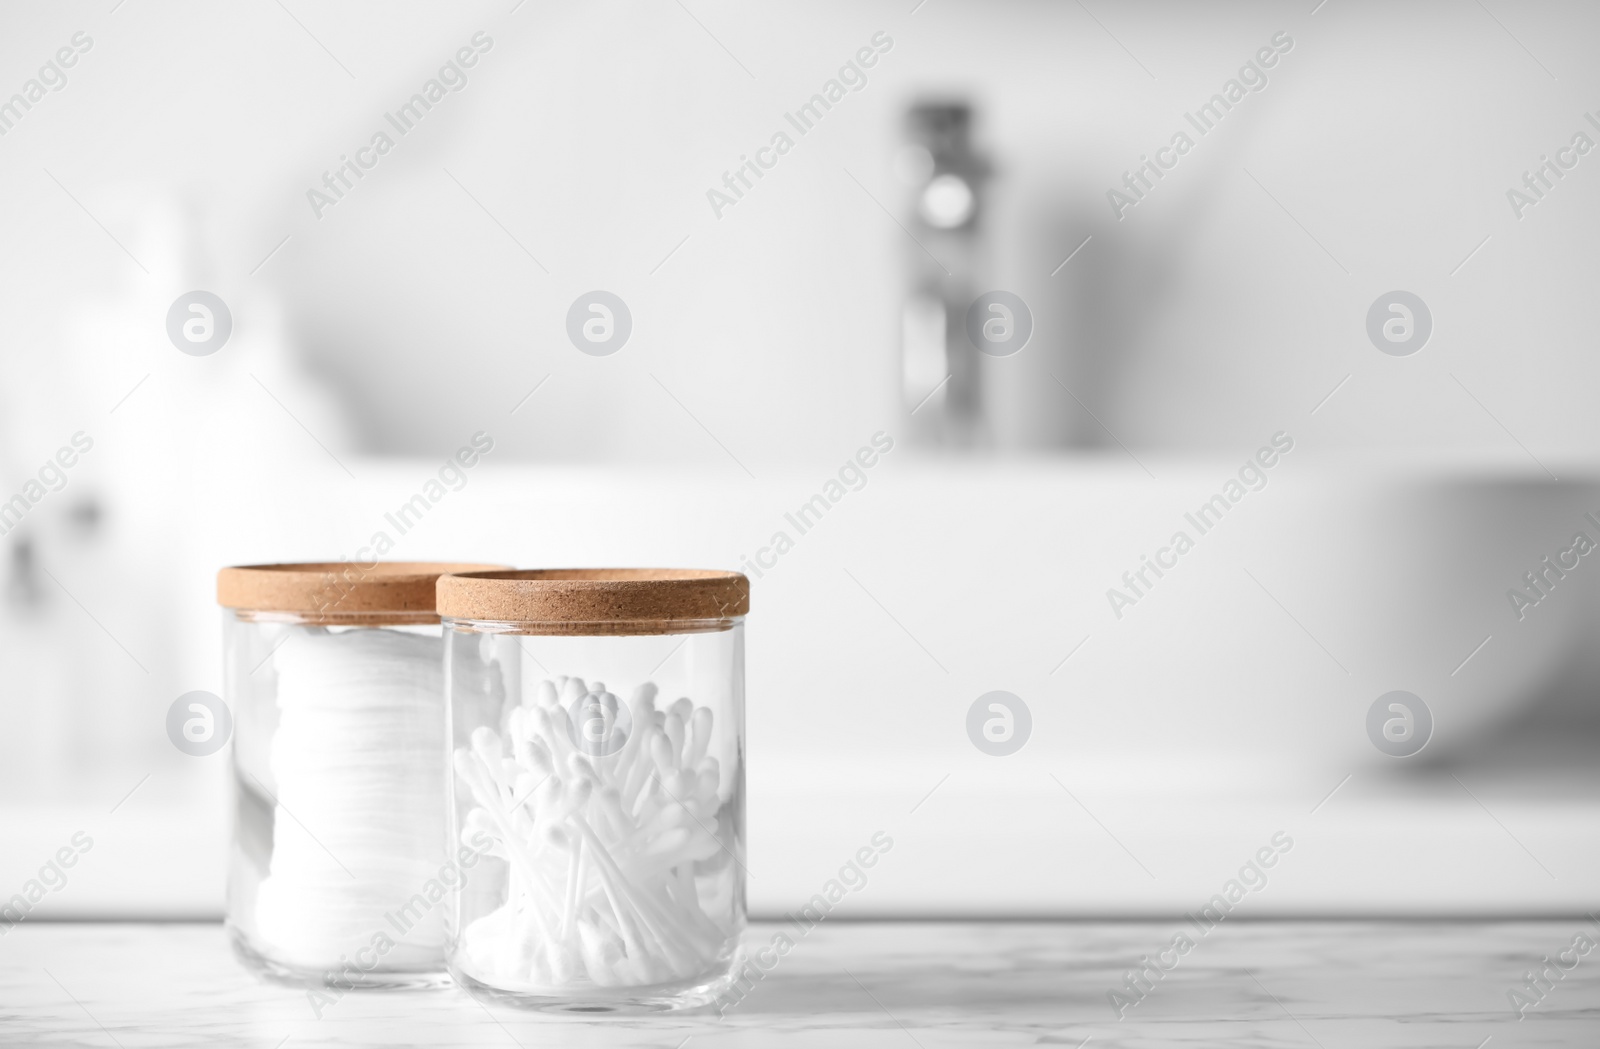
(603,847)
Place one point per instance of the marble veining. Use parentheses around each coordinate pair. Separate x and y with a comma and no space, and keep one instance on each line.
(912,984)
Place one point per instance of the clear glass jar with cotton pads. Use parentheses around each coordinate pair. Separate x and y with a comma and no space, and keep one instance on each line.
(597,750)
(337,870)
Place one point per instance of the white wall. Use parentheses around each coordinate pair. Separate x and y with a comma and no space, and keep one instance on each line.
(591,133)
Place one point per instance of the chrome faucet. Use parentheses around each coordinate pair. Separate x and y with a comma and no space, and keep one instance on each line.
(940,378)
(23,588)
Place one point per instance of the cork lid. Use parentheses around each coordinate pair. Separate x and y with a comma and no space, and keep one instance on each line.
(598,600)
(389,591)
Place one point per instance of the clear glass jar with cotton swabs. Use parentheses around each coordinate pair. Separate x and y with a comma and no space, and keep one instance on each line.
(597,762)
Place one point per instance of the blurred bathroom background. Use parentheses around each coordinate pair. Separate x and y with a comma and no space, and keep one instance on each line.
(789,304)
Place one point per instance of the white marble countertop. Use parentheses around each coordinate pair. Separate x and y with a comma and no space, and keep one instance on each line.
(1259,984)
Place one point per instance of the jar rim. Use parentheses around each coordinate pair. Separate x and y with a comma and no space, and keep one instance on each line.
(607,628)
(594,597)
(335,619)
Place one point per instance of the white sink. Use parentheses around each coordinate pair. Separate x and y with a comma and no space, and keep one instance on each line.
(1225,704)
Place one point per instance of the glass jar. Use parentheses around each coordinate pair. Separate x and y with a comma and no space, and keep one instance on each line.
(597,739)
(334,673)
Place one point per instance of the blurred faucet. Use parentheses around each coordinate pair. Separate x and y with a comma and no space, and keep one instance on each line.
(940,378)
(22,587)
